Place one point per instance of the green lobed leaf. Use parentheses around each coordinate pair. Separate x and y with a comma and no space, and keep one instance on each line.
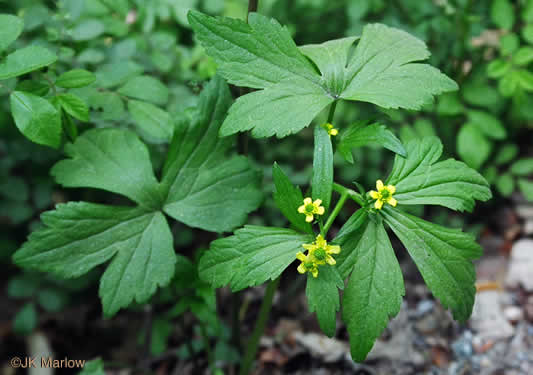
(74,106)
(443,256)
(348,239)
(251,256)
(420,179)
(288,198)
(10,29)
(360,134)
(489,125)
(375,290)
(156,122)
(323,297)
(77,237)
(36,118)
(75,78)
(206,189)
(322,180)
(25,60)
(145,88)
(111,159)
(382,70)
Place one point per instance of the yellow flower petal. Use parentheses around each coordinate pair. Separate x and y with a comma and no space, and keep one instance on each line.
(393,202)
(309,218)
(331,261)
(374,194)
(309,246)
(333,132)
(391,188)
(378,204)
(334,249)
(321,210)
(301,256)
(317,202)
(308,201)
(301,209)
(301,268)
(315,272)
(379,185)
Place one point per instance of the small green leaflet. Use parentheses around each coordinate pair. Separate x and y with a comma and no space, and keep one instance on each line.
(25,60)
(420,179)
(288,198)
(36,118)
(152,120)
(375,290)
(146,88)
(10,29)
(75,78)
(323,297)
(322,180)
(251,256)
(74,106)
(79,236)
(361,134)
(262,55)
(443,256)
(206,189)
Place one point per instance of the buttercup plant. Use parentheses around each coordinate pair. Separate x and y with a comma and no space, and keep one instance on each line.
(204,185)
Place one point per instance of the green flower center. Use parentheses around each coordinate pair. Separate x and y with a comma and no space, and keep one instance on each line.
(385,194)
(309,208)
(320,254)
(309,265)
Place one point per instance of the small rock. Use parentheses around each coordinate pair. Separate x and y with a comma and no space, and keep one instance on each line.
(424,307)
(330,350)
(513,313)
(488,319)
(521,265)
(462,348)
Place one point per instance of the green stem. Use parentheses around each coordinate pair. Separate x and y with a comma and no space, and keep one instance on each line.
(332,111)
(358,198)
(253,343)
(334,213)
(207,345)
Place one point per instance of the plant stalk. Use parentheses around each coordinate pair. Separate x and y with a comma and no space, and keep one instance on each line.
(264,312)
(334,213)
(358,198)
(332,111)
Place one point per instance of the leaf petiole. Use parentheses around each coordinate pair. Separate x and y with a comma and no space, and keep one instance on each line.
(358,198)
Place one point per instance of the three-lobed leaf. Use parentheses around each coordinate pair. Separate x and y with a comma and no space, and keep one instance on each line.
(422,179)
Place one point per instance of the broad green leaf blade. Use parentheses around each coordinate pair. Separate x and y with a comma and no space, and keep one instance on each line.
(146,88)
(331,59)
(280,110)
(382,71)
(137,271)
(251,256)
(322,181)
(80,236)
(110,159)
(25,60)
(361,134)
(420,179)
(10,29)
(36,118)
(348,239)
(323,297)
(74,106)
(443,256)
(522,167)
(206,189)
(489,125)
(288,198)
(472,146)
(502,13)
(151,119)
(375,290)
(259,54)
(75,78)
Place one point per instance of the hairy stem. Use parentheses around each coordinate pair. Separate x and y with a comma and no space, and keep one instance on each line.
(253,344)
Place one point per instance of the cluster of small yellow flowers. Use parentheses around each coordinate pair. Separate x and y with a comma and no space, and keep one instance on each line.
(310,208)
(318,253)
(331,130)
(383,195)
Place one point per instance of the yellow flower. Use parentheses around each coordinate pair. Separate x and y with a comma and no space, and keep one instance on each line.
(383,195)
(331,130)
(307,264)
(320,252)
(310,208)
